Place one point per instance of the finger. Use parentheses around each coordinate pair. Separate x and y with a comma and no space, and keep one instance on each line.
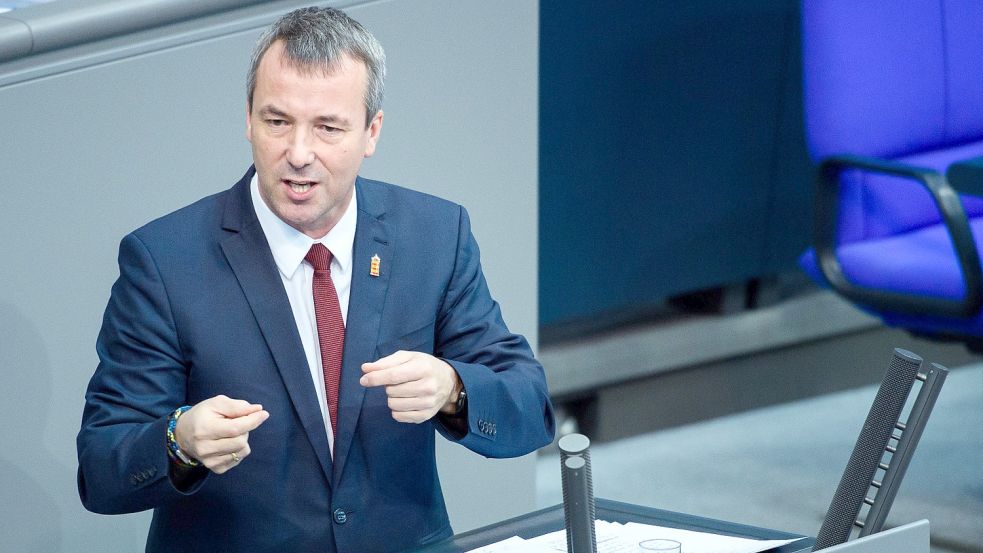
(388,361)
(218,464)
(220,447)
(236,457)
(251,421)
(393,376)
(414,417)
(244,452)
(225,462)
(408,404)
(230,428)
(423,387)
(233,408)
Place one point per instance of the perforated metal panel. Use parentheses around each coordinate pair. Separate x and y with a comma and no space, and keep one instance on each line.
(869,449)
(579,511)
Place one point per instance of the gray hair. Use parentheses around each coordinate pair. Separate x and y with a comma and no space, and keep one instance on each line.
(316,39)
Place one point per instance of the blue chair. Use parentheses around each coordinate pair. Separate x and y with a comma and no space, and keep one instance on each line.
(894,119)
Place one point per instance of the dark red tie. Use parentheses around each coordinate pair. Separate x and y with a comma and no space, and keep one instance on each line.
(330,327)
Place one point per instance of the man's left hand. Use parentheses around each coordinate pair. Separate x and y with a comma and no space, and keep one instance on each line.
(418,385)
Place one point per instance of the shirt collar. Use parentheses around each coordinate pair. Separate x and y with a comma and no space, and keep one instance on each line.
(289,246)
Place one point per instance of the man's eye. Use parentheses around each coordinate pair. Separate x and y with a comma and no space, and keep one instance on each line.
(329,129)
(276,122)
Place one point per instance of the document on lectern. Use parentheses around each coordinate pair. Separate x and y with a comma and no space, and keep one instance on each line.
(613,537)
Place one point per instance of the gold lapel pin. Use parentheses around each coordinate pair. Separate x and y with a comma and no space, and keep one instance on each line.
(374,266)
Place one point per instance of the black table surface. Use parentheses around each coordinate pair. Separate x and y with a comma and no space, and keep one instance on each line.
(551,519)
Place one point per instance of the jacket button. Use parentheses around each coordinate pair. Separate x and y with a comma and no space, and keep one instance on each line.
(340,516)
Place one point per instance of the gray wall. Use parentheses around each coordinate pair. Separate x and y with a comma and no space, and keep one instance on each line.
(100,138)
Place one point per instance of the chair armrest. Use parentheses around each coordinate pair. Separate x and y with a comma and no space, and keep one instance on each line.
(966,176)
(953,217)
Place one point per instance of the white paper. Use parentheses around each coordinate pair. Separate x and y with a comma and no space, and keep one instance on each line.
(701,542)
(515,544)
(608,536)
(613,537)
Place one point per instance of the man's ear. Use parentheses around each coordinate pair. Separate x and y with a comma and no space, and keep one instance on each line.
(375,129)
(249,123)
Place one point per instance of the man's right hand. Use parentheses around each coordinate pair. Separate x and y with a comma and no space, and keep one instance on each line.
(215,429)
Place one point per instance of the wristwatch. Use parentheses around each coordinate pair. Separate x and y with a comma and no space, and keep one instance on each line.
(462,401)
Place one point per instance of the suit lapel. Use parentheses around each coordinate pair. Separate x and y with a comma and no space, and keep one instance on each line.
(368,293)
(248,253)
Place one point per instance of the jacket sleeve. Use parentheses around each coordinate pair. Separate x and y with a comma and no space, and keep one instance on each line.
(509,412)
(140,380)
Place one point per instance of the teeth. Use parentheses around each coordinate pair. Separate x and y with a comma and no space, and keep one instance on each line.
(299,187)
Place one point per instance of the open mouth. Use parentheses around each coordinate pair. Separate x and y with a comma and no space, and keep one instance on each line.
(299,186)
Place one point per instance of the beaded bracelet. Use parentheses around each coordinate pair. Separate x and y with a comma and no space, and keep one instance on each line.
(173,450)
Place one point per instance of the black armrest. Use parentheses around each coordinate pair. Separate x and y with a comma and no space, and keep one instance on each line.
(953,216)
(967,176)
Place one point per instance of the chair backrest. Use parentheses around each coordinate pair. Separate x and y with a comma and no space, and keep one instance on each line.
(891,79)
(895,80)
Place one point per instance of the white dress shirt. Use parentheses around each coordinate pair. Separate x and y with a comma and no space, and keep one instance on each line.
(289,247)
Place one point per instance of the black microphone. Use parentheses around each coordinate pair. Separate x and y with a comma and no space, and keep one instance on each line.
(578,493)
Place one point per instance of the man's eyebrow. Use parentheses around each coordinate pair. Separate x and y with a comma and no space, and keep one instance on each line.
(334,120)
(272,110)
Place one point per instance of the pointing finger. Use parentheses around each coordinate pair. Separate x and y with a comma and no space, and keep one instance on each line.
(231,428)
(252,421)
(388,361)
(383,377)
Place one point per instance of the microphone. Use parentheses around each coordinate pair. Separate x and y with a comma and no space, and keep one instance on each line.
(877,431)
(578,493)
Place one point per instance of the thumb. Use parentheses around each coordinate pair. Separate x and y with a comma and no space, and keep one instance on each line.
(233,408)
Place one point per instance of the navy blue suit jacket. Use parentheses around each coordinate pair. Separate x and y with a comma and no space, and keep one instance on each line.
(199,310)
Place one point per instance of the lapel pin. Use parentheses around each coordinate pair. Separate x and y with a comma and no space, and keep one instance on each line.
(374,266)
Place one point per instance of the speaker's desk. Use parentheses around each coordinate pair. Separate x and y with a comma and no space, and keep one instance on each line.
(551,519)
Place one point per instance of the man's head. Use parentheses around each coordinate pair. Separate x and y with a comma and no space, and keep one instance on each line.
(314,39)
(313,114)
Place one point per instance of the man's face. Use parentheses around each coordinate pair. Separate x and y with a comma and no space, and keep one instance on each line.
(309,138)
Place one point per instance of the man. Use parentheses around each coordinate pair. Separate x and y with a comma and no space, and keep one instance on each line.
(275,358)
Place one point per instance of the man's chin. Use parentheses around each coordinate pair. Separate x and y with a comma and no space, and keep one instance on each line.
(311,226)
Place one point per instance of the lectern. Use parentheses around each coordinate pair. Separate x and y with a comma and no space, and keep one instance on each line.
(551,519)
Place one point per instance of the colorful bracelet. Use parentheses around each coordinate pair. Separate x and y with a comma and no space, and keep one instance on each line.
(173,450)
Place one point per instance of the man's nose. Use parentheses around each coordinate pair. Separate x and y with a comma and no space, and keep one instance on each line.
(299,150)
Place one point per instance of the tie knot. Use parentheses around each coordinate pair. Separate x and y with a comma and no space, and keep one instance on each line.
(319,257)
